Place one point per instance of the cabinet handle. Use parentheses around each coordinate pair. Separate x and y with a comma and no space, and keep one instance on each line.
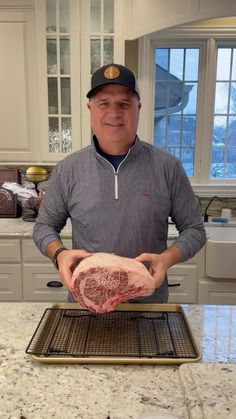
(54,284)
(173,285)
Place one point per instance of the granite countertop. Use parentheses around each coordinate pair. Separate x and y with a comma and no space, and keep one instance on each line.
(17,227)
(204,390)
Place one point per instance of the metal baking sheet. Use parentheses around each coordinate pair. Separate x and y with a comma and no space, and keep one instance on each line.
(132,334)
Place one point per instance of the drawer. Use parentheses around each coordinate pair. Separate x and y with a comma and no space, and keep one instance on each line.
(30,253)
(10,282)
(185,277)
(10,250)
(37,283)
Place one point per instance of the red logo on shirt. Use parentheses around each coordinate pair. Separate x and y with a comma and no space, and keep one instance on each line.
(145,193)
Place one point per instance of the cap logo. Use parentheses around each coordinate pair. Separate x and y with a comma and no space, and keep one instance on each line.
(111,72)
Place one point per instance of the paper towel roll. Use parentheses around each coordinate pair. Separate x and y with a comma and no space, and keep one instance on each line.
(226,213)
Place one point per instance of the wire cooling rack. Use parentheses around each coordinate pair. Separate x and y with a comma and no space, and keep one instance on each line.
(122,334)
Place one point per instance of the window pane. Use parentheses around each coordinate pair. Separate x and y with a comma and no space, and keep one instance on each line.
(177,62)
(162,64)
(95,54)
(218,165)
(219,130)
(160,131)
(174,98)
(234,65)
(52,56)
(51,16)
(190,98)
(52,96)
(66,136)
(221,98)
(232,106)
(231,162)
(54,135)
(65,96)
(64,16)
(95,16)
(223,164)
(232,131)
(191,64)
(174,94)
(173,131)
(108,51)
(65,56)
(108,16)
(188,131)
(223,64)
(161,95)
(187,158)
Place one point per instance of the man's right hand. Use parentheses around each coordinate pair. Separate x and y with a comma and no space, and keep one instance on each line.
(67,261)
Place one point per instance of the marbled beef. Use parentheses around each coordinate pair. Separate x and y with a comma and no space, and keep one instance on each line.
(103,280)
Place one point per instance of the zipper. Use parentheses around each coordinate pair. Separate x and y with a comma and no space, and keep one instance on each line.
(116,186)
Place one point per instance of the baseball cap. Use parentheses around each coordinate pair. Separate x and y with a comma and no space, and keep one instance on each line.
(113,74)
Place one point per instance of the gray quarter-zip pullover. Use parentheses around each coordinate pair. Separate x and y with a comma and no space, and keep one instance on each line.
(123,211)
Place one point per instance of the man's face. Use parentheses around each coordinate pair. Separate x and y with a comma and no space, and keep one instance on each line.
(114,112)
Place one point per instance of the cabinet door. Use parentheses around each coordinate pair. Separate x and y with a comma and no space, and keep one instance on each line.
(158,14)
(186,277)
(39,283)
(9,250)
(18,101)
(30,253)
(84,37)
(10,282)
(217,292)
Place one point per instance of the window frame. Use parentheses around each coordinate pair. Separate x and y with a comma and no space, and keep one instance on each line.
(207,39)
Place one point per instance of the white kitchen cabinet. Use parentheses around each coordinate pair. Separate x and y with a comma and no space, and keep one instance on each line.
(145,17)
(217,291)
(41,280)
(10,270)
(10,282)
(73,39)
(18,99)
(185,278)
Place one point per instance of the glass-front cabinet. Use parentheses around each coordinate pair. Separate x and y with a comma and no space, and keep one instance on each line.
(58,76)
(75,37)
(101,33)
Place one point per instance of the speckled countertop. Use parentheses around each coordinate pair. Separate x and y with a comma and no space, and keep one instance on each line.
(205,390)
(17,227)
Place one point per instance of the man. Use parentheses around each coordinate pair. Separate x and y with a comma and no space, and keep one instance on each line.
(119,191)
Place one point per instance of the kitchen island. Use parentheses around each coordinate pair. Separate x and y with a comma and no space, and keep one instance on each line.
(32,390)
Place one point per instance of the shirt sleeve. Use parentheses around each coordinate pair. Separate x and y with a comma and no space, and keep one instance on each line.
(53,212)
(186,214)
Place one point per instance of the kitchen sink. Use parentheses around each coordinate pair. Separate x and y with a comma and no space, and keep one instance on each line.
(221,251)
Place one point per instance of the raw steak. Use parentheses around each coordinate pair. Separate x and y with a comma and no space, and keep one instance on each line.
(103,280)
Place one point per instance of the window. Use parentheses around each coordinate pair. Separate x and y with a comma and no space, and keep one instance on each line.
(175,110)
(223,158)
(191,111)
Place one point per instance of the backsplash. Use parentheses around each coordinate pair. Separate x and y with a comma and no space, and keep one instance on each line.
(216,206)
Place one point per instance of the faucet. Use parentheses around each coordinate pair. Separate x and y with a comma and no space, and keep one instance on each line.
(205,212)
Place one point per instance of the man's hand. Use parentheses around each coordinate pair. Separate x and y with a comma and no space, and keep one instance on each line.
(159,263)
(67,261)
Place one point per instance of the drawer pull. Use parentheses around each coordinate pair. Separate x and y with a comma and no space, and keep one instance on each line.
(54,284)
(173,285)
